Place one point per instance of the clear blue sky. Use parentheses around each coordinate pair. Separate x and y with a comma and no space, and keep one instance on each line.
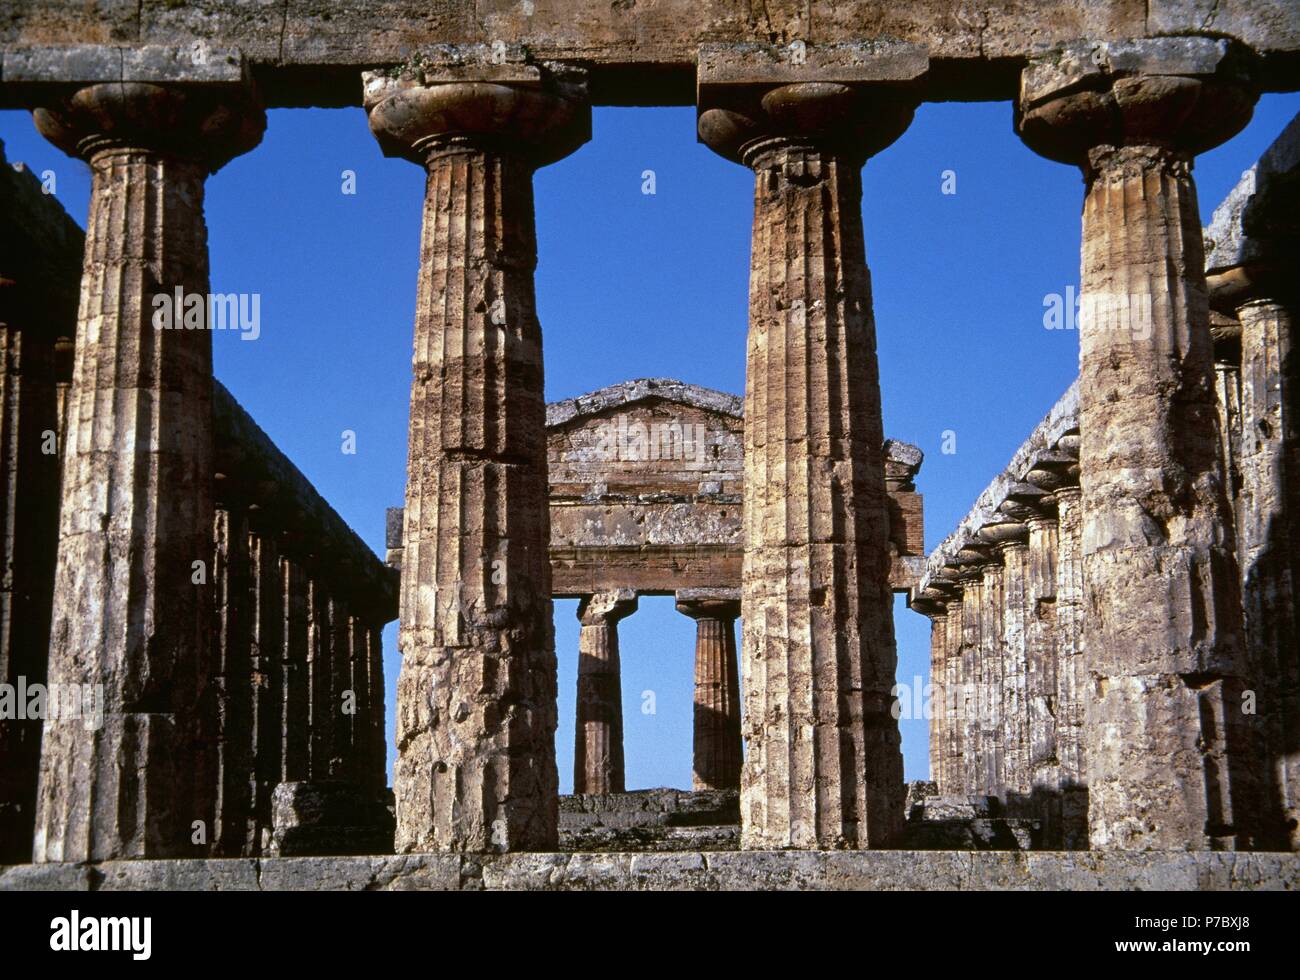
(631,285)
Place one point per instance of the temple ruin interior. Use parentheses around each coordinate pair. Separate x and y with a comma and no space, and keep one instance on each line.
(1114,680)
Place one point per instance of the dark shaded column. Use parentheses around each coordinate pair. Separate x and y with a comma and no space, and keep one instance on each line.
(476,721)
(234,829)
(823,767)
(29,498)
(598,738)
(266,672)
(130,618)
(295,672)
(320,713)
(378,766)
(717,748)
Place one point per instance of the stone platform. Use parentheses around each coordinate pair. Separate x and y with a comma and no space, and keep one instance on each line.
(692,871)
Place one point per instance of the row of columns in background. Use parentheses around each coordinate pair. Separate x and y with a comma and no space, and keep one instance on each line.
(1007,670)
(1167,766)
(476,719)
(1173,715)
(298,680)
(598,752)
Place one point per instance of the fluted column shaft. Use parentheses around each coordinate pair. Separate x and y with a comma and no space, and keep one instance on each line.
(1041,699)
(939,718)
(1015,669)
(1167,745)
(598,739)
(233,696)
(131,616)
(972,607)
(993,665)
(1269,547)
(476,714)
(717,740)
(955,703)
(823,767)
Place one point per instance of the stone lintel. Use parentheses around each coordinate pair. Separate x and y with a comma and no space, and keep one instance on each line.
(1092,64)
(708,595)
(723,67)
(36,70)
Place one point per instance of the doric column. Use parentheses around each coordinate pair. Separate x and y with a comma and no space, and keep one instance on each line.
(476,714)
(933,602)
(130,616)
(269,624)
(319,714)
(823,767)
(969,570)
(378,766)
(233,824)
(992,660)
(1071,675)
(1254,267)
(1040,654)
(717,748)
(598,741)
(955,701)
(1036,507)
(294,715)
(1167,744)
(1012,733)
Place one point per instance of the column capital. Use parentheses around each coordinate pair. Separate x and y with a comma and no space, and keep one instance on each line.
(857,121)
(1112,102)
(207,123)
(1003,536)
(539,114)
(721,604)
(606,608)
(931,602)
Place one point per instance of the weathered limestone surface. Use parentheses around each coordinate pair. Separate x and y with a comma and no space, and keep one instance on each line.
(476,714)
(136,508)
(646,479)
(324,817)
(1253,244)
(717,742)
(753,870)
(1168,748)
(598,745)
(308,54)
(823,767)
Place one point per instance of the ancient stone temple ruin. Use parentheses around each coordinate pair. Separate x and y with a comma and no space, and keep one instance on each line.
(1114,642)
